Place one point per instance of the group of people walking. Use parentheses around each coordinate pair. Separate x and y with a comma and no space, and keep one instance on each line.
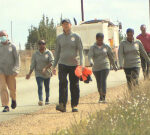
(69,55)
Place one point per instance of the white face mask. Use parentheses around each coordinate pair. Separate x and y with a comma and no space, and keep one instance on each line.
(3,39)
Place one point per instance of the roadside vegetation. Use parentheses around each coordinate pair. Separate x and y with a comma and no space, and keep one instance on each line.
(127,116)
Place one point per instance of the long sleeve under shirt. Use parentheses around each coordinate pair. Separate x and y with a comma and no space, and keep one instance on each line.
(68,50)
(129,54)
(101,57)
(9,59)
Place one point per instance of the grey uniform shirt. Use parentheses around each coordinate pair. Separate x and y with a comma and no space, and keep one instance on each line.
(129,54)
(101,57)
(68,50)
(9,59)
(41,60)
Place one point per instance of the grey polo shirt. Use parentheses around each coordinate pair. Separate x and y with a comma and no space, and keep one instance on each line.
(41,60)
(101,57)
(69,50)
(9,59)
(129,54)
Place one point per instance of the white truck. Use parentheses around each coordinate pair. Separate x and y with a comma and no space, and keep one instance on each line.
(88,30)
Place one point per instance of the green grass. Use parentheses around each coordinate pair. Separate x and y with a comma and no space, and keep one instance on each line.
(129,116)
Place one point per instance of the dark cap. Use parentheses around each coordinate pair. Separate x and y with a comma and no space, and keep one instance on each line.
(41,42)
(99,35)
(130,30)
(66,20)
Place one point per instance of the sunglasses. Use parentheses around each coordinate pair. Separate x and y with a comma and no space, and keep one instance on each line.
(42,44)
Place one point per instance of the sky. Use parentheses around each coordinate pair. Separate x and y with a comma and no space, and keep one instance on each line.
(24,13)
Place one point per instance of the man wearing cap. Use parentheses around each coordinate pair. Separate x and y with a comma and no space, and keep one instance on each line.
(68,48)
(41,62)
(144,37)
(9,68)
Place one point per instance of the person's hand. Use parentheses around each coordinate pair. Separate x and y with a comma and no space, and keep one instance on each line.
(115,68)
(44,71)
(28,76)
(54,71)
(91,64)
(15,74)
(82,68)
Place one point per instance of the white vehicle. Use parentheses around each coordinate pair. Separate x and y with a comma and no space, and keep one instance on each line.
(88,30)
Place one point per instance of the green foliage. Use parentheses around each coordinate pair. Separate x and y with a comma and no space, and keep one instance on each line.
(128,116)
(46,31)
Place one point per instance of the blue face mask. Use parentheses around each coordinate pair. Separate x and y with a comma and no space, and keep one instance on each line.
(3,39)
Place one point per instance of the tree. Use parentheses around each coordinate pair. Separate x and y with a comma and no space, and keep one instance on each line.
(46,31)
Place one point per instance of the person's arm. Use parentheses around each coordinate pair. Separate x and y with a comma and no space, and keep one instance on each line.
(80,49)
(16,67)
(51,62)
(57,53)
(143,52)
(90,56)
(111,58)
(121,55)
(32,66)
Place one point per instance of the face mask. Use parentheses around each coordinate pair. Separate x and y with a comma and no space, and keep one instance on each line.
(3,39)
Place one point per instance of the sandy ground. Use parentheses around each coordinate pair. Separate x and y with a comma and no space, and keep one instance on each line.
(48,120)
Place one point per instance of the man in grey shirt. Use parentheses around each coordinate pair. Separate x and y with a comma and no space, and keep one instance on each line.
(9,68)
(68,47)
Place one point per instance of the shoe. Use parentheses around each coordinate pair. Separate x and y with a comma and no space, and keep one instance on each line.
(40,103)
(102,101)
(74,109)
(61,108)
(6,109)
(47,101)
(13,104)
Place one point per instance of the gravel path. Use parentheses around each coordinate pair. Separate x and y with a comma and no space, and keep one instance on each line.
(48,120)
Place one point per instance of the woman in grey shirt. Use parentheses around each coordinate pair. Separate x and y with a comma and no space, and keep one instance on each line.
(130,50)
(42,60)
(100,56)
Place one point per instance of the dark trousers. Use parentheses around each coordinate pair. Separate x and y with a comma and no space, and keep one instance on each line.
(145,67)
(63,85)
(101,79)
(132,75)
(40,81)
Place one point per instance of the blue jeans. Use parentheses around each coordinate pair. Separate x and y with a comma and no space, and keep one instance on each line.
(40,81)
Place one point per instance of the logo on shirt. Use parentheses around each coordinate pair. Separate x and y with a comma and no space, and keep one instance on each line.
(46,56)
(104,50)
(136,45)
(72,39)
(10,49)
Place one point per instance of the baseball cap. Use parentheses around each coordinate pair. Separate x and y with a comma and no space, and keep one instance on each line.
(66,20)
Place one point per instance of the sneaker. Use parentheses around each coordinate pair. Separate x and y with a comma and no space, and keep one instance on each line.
(102,101)
(6,109)
(40,103)
(13,104)
(61,108)
(47,101)
(74,109)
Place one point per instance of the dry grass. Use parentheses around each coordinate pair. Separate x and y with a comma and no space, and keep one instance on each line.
(129,116)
